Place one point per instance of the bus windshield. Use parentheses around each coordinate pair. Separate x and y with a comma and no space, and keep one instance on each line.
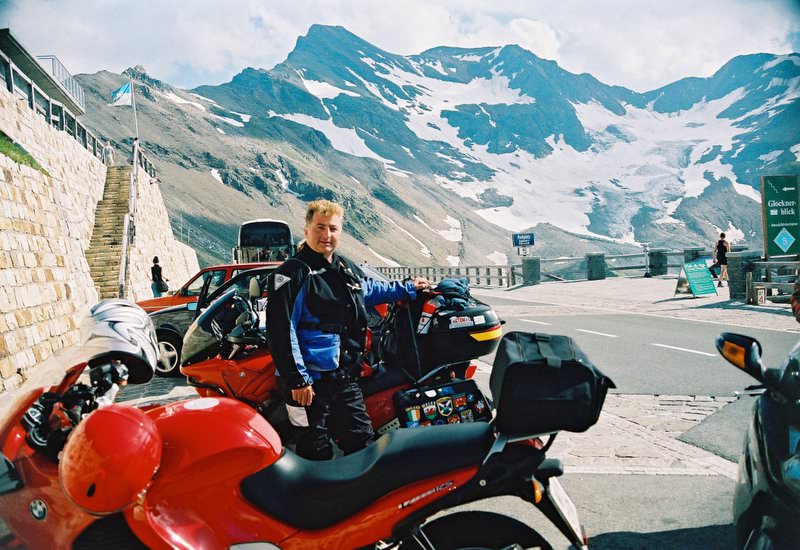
(263,241)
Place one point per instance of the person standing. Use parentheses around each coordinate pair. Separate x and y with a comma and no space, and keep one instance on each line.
(108,154)
(316,327)
(721,250)
(158,281)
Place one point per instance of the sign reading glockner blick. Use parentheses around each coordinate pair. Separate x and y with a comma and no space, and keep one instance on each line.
(780,200)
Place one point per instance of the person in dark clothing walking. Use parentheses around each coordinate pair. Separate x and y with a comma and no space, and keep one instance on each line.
(721,250)
(316,326)
(157,279)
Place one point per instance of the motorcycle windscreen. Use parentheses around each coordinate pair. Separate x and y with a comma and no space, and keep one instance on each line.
(206,336)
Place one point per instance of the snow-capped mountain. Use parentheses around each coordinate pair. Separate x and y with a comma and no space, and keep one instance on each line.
(450,150)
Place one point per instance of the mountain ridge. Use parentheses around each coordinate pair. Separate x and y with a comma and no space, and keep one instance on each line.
(439,155)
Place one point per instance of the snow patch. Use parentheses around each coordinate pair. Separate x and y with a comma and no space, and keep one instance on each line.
(227,120)
(180,101)
(732,234)
(794,58)
(345,140)
(220,130)
(424,250)
(384,259)
(454,233)
(216,176)
(323,90)
(469,57)
(245,118)
(769,157)
(498,258)
(747,191)
(198,96)
(453,260)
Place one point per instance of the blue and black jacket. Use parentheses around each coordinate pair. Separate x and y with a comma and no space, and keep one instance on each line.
(316,316)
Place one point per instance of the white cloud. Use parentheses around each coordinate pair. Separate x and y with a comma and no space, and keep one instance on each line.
(637,44)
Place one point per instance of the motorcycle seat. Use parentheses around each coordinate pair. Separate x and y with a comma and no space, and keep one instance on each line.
(312,494)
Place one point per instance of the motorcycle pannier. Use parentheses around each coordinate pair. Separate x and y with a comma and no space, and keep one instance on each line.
(543,383)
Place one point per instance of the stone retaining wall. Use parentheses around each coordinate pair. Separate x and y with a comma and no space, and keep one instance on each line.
(46,224)
(45,227)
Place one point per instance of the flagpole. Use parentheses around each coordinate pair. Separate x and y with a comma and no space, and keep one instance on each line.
(133,102)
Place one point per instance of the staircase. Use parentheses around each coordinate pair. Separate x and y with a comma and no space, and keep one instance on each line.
(105,247)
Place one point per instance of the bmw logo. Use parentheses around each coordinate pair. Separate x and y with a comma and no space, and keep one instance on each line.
(38,509)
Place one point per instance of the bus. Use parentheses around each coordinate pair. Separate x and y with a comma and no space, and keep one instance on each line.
(263,240)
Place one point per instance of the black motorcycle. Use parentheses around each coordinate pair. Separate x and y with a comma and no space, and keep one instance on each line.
(766,507)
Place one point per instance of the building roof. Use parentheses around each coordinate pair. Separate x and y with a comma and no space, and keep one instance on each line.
(33,69)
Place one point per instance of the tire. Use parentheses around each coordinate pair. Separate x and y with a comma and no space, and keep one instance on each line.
(475,530)
(169,354)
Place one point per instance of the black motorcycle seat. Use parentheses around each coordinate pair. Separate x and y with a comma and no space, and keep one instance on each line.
(312,494)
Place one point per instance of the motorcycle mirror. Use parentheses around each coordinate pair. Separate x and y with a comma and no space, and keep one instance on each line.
(254,288)
(744,352)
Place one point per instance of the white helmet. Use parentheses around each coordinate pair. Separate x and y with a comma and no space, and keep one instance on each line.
(121,330)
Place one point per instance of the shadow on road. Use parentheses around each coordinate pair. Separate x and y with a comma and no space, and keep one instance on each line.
(726,306)
(711,537)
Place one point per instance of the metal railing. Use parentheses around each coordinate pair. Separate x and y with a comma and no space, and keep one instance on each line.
(53,112)
(129,226)
(771,275)
(487,276)
(568,268)
(63,76)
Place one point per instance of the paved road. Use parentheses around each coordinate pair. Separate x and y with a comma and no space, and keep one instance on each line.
(658,470)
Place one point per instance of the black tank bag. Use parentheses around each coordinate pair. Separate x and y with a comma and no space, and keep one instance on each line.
(544,383)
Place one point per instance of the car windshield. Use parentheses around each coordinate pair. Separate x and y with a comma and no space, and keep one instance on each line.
(242,283)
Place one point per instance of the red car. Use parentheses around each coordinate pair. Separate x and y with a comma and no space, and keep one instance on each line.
(215,275)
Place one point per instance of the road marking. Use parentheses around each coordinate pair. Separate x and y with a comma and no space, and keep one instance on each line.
(684,349)
(535,322)
(597,333)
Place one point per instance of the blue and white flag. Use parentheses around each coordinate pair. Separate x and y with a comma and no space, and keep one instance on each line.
(122,95)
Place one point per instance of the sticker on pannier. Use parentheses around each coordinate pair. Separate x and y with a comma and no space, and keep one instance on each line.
(449,403)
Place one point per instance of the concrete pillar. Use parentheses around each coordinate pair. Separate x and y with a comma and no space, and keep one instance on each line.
(531,271)
(595,266)
(739,264)
(657,259)
(693,253)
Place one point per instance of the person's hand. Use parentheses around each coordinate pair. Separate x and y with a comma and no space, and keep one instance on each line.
(421,283)
(303,396)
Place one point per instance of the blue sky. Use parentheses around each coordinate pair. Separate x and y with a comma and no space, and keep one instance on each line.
(640,44)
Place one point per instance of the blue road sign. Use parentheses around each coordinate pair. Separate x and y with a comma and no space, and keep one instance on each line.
(522,239)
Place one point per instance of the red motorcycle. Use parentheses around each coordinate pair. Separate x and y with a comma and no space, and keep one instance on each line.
(78,471)
(225,353)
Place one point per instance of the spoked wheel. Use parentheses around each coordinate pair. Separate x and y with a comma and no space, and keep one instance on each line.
(169,355)
(475,530)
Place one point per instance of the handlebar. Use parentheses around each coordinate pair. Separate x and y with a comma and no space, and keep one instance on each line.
(53,415)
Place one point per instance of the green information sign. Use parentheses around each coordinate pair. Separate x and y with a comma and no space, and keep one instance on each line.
(696,276)
(779,201)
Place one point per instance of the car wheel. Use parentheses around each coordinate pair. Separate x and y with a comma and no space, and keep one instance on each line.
(169,354)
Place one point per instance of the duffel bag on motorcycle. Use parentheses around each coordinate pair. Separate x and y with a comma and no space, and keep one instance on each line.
(547,384)
(450,402)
